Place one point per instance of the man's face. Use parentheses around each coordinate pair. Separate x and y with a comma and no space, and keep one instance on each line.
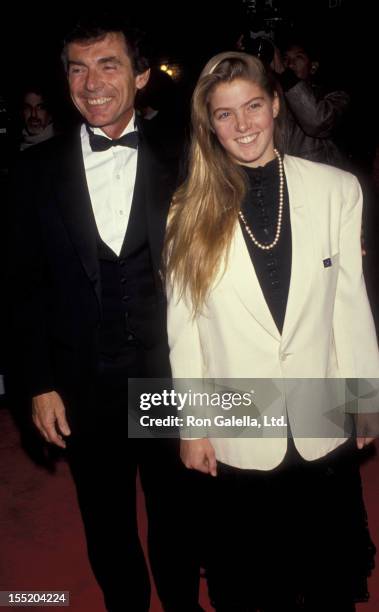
(36,117)
(298,61)
(102,83)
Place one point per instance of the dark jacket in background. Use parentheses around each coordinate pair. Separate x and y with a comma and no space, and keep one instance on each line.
(314,120)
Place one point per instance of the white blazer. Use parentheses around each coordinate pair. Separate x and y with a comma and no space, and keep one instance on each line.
(328,329)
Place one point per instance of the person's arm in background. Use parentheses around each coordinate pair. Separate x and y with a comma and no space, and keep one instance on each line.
(318,117)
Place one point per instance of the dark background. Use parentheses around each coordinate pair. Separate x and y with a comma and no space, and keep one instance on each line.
(189,32)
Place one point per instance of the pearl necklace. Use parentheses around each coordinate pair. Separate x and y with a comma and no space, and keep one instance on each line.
(267,247)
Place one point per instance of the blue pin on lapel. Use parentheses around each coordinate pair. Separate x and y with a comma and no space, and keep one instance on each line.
(327,262)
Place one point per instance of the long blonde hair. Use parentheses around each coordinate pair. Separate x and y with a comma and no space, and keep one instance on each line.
(204,209)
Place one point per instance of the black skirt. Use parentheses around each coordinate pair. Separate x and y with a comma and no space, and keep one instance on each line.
(292,538)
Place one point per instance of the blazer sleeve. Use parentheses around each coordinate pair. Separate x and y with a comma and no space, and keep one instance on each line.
(353,327)
(186,358)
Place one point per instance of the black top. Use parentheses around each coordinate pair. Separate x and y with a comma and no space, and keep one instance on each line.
(260,209)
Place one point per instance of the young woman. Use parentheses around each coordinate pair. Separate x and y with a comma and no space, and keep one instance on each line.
(263,265)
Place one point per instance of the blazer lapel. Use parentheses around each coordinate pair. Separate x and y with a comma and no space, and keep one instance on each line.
(245,281)
(242,274)
(302,248)
(76,209)
(137,211)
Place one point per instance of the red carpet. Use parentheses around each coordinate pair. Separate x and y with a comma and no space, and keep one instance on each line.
(42,542)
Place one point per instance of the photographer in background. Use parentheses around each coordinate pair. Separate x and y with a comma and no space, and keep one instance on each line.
(315,110)
(315,104)
(258,43)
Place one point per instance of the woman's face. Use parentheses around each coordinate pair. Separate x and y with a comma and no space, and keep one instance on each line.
(242,116)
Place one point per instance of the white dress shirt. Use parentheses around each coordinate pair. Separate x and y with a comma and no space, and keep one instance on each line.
(110,177)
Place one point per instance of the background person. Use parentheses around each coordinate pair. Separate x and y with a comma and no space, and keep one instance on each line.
(318,109)
(37,119)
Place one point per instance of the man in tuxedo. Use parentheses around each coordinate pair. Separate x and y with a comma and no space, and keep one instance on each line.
(88,310)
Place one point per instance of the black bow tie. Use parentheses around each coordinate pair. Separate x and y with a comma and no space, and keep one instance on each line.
(100,143)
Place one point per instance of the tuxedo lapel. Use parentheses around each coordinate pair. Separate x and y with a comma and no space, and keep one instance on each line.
(158,185)
(137,211)
(302,248)
(76,209)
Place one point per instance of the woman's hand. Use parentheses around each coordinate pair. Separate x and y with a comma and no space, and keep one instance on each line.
(367,428)
(199,455)
(362,442)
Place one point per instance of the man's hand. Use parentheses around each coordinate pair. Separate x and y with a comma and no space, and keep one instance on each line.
(199,455)
(49,416)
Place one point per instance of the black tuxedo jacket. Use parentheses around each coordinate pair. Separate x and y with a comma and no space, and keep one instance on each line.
(55,285)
